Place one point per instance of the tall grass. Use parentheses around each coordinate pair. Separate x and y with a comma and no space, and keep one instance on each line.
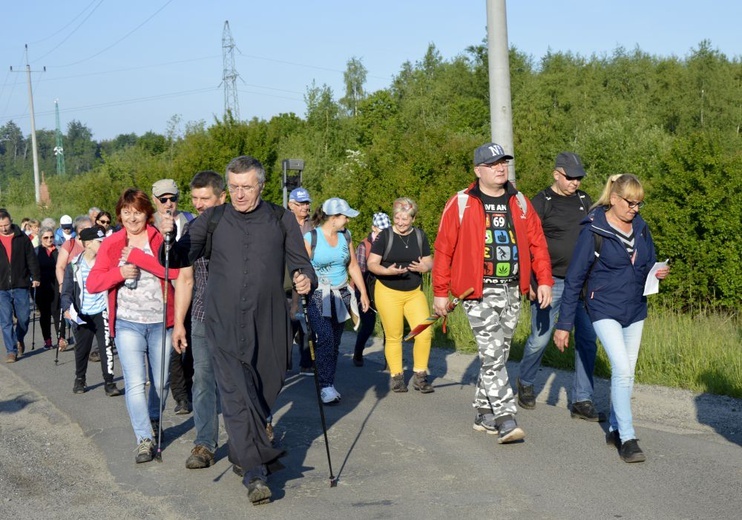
(699,351)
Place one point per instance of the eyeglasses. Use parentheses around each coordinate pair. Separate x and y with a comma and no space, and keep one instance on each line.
(246,189)
(108,221)
(634,204)
(503,162)
(165,200)
(47,238)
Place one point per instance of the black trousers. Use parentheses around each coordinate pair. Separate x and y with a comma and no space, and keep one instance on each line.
(95,327)
(181,368)
(47,300)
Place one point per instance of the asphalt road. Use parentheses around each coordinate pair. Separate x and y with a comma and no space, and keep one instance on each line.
(408,455)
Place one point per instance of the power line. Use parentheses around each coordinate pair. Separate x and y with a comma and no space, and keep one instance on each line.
(73,31)
(78,15)
(120,39)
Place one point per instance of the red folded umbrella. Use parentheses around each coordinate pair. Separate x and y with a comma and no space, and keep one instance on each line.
(434,317)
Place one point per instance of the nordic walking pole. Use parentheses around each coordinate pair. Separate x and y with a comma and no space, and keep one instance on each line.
(33,321)
(310,342)
(168,240)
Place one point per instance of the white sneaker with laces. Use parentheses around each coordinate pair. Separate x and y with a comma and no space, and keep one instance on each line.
(329,395)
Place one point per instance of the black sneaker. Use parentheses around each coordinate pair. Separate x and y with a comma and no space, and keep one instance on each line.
(145,451)
(631,452)
(526,397)
(586,410)
(79,387)
(612,439)
(183,407)
(201,457)
(398,384)
(258,492)
(358,360)
(111,389)
(420,383)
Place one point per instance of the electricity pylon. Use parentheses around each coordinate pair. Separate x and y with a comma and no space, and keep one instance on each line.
(230,75)
(59,149)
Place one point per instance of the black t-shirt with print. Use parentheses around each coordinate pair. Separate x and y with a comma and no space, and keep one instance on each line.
(404,250)
(500,247)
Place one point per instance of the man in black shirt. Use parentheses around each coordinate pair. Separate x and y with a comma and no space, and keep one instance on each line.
(561,207)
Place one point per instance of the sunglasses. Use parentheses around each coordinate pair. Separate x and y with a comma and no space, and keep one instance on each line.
(108,221)
(47,238)
(165,200)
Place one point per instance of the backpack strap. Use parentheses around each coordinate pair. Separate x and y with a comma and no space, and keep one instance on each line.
(214,219)
(522,204)
(313,242)
(389,242)
(462,198)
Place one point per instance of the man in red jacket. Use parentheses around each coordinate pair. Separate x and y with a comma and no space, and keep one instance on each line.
(490,239)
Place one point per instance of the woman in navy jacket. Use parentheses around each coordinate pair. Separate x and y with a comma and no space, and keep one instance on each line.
(613,269)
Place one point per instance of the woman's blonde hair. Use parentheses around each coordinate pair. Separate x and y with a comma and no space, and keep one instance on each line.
(404,205)
(626,185)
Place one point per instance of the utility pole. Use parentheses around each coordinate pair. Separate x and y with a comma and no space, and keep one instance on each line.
(230,75)
(34,145)
(59,149)
(501,110)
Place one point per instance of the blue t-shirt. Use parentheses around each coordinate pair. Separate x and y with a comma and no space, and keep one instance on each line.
(330,263)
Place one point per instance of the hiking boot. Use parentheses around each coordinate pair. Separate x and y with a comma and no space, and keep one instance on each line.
(200,457)
(79,387)
(509,431)
(11,357)
(613,439)
(21,349)
(586,410)
(145,451)
(358,360)
(94,356)
(329,395)
(420,383)
(631,452)
(111,389)
(398,384)
(526,397)
(485,422)
(183,407)
(258,492)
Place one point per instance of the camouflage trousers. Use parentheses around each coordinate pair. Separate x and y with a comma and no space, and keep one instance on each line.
(493,320)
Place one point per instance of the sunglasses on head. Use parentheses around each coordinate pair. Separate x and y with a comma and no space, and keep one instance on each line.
(165,200)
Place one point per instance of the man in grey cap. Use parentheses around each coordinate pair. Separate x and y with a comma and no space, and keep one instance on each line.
(561,207)
(490,240)
(299,204)
(166,195)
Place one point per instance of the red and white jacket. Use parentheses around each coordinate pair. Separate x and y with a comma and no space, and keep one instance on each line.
(459,246)
(106,274)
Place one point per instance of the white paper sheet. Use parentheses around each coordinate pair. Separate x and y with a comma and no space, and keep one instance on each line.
(652,286)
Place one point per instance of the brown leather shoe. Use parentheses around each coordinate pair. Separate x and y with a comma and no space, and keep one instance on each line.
(11,358)
(200,457)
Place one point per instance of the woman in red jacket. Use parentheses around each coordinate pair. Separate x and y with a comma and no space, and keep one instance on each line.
(128,269)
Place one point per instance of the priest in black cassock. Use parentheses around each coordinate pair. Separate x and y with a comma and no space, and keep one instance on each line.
(247,317)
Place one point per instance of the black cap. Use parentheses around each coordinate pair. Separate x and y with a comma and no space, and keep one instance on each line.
(92,233)
(571,164)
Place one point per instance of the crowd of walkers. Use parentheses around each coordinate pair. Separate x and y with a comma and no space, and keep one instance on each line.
(208,305)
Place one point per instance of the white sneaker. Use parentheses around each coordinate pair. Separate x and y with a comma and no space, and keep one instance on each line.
(330,395)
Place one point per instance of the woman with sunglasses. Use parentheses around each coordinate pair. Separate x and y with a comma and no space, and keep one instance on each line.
(612,259)
(47,294)
(104,219)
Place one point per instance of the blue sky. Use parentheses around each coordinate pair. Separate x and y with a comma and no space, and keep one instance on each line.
(121,67)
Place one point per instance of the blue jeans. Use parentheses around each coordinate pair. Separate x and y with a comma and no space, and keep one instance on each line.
(542,326)
(621,344)
(205,415)
(14,301)
(140,351)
